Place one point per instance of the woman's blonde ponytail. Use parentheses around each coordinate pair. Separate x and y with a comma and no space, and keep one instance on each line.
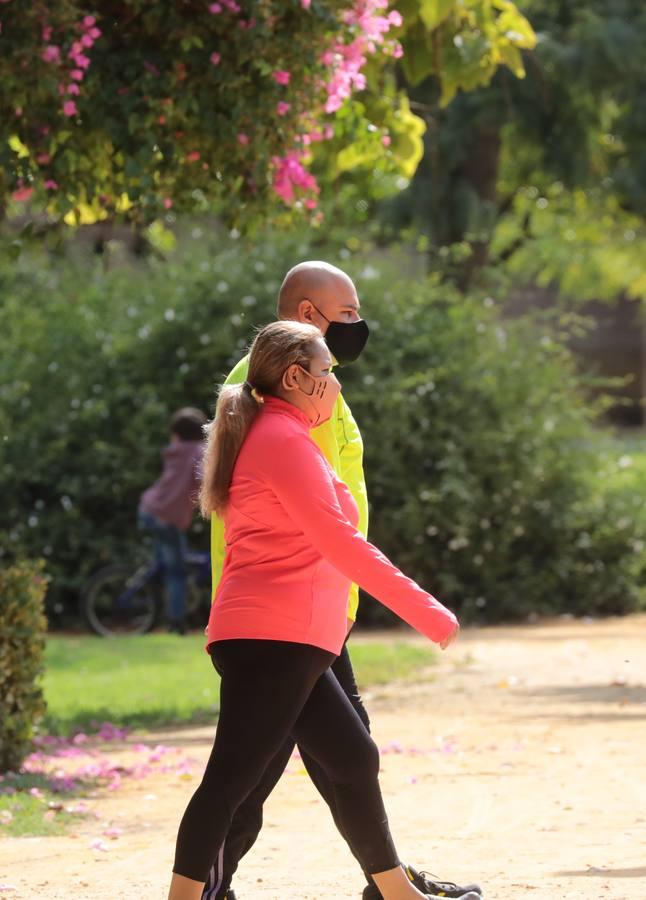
(235,412)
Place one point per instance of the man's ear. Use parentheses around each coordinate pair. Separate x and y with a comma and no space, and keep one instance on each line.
(305,312)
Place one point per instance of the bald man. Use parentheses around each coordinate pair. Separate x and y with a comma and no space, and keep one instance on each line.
(323,295)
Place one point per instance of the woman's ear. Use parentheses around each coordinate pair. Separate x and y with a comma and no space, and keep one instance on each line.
(290,381)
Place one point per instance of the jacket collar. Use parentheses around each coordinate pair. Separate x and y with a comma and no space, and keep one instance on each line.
(277,405)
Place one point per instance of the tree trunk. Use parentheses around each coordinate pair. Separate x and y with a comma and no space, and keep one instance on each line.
(479,172)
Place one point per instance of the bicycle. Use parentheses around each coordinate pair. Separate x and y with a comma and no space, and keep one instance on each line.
(117,600)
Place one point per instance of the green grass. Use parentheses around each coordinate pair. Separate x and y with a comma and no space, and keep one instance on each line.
(148,681)
(23,813)
(140,682)
(625,471)
(379,662)
(159,679)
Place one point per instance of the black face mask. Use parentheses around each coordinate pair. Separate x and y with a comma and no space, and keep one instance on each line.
(345,340)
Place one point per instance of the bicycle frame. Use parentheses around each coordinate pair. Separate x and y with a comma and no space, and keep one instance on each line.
(134,584)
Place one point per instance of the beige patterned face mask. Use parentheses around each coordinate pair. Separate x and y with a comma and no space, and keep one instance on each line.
(322,396)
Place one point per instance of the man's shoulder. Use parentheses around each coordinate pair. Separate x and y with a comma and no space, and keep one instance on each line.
(239,372)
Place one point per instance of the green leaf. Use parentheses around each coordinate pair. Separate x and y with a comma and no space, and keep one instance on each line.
(434,12)
(418,61)
(512,58)
(18,147)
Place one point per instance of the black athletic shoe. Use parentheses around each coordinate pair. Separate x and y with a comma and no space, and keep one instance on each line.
(470,895)
(230,895)
(427,885)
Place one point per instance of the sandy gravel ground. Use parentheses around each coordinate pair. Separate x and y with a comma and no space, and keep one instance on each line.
(519,761)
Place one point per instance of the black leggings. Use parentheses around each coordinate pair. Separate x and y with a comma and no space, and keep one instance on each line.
(247,821)
(270,690)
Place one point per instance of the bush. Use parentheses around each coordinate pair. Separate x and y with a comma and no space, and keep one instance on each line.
(483,474)
(485,477)
(22,644)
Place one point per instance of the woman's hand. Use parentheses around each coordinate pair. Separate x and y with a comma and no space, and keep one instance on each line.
(450,638)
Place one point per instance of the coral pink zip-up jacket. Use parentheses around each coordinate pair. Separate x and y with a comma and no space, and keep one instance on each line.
(293,547)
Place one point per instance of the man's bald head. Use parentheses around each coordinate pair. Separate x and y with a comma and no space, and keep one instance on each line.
(326,288)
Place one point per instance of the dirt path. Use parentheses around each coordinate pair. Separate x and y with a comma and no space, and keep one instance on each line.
(520,763)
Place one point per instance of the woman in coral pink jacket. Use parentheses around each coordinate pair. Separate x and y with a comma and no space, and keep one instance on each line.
(279,616)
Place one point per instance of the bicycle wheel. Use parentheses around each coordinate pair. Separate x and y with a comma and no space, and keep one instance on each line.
(120,601)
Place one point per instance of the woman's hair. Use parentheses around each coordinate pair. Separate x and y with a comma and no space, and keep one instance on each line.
(275,348)
(188,424)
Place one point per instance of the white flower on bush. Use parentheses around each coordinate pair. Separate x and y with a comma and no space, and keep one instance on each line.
(457,543)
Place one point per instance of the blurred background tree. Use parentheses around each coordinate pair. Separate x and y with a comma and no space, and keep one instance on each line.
(453,155)
(140,108)
(544,176)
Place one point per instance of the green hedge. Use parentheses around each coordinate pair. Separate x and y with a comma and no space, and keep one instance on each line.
(22,644)
(481,461)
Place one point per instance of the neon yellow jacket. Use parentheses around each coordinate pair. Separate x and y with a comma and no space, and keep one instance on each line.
(341,444)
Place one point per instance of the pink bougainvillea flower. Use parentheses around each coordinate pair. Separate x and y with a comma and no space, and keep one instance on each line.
(87,40)
(386,140)
(281,76)
(215,8)
(51,54)
(215,58)
(73,89)
(77,74)
(89,21)
(51,185)
(283,108)
(82,61)
(69,108)
(98,845)
(290,173)
(21,195)
(168,203)
(243,139)
(47,33)
(306,4)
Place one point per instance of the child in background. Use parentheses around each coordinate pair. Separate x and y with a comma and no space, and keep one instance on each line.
(166,508)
